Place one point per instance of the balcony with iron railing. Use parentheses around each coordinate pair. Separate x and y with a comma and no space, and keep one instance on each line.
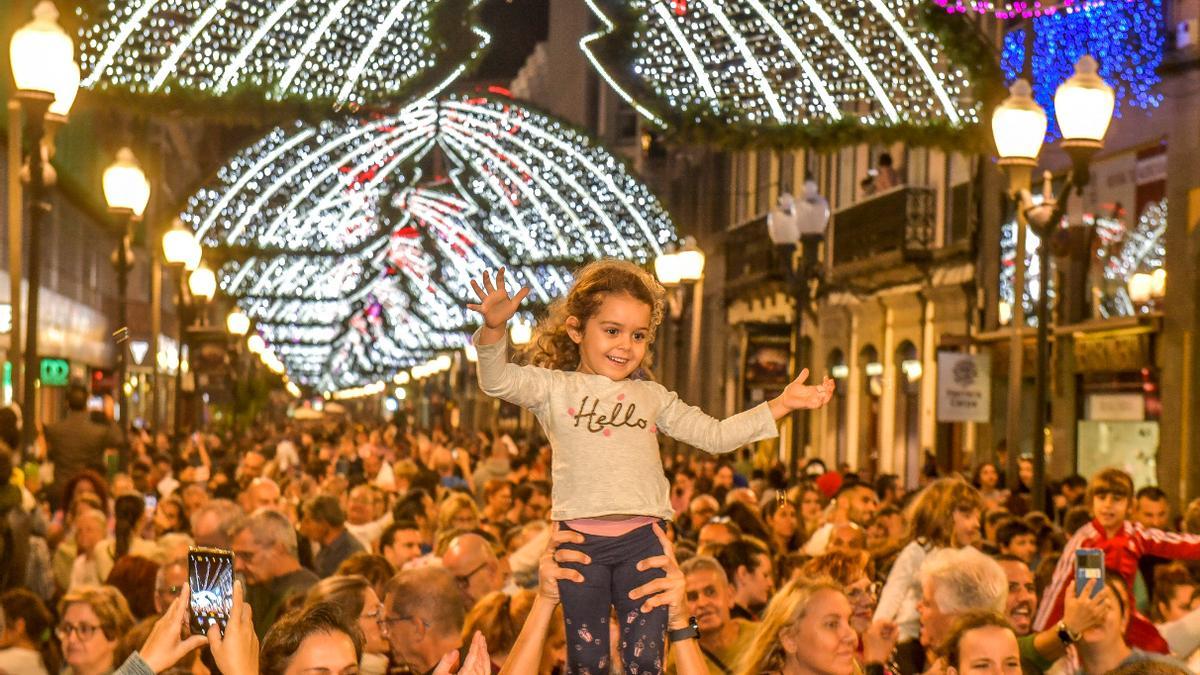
(899,225)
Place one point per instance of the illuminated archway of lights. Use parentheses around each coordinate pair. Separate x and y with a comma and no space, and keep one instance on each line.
(766,63)
(352,243)
(342,51)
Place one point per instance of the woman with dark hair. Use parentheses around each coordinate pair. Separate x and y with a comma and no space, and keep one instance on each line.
(24,644)
(169,516)
(987,480)
(129,514)
(783,520)
(746,519)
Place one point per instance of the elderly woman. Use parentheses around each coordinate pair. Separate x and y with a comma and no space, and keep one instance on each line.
(93,620)
(359,603)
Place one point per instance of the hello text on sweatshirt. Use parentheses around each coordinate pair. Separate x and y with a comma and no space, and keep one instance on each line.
(604,433)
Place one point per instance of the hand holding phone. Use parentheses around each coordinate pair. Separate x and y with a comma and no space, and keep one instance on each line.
(210,576)
(1089,564)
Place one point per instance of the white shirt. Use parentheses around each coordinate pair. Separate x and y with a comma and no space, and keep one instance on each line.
(369,534)
(23,661)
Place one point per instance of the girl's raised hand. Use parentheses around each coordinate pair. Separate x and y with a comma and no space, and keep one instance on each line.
(494,303)
(800,396)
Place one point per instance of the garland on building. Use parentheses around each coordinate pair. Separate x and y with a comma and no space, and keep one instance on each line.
(260,57)
(352,242)
(787,73)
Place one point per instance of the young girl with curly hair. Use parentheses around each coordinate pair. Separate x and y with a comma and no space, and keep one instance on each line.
(585,385)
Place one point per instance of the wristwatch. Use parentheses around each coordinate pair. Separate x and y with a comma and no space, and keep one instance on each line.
(691,632)
(1065,635)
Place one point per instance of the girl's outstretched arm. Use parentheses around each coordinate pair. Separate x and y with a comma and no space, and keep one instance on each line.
(800,396)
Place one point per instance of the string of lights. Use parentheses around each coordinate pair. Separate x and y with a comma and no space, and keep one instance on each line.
(324,51)
(771,63)
(1126,37)
(353,242)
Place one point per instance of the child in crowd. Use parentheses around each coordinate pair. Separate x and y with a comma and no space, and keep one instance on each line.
(587,386)
(1124,542)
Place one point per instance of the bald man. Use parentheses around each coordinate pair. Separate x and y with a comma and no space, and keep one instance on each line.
(263,493)
(476,569)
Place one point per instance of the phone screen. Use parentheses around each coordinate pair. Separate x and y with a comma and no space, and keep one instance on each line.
(1089,564)
(151,503)
(210,575)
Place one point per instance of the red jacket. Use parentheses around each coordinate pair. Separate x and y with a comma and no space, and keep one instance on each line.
(1122,550)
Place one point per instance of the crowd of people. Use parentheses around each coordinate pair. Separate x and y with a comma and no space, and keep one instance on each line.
(373,549)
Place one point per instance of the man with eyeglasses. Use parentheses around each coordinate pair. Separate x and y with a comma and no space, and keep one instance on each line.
(168,583)
(266,554)
(423,616)
(476,570)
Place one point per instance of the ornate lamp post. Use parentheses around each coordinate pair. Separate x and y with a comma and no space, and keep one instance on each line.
(1083,108)
(676,269)
(46,78)
(127,192)
(183,252)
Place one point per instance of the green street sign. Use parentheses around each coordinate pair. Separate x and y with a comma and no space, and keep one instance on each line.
(55,372)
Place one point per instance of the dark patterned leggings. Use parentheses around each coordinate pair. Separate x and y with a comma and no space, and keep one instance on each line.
(607,581)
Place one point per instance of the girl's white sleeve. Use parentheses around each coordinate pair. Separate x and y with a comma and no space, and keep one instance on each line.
(526,386)
(691,425)
(894,600)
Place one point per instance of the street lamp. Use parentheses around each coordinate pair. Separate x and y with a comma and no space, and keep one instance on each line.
(203,283)
(1083,109)
(127,192)
(182,251)
(46,76)
(255,344)
(799,224)
(675,268)
(521,332)
(237,322)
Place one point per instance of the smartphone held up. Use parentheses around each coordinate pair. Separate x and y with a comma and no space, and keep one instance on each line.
(210,577)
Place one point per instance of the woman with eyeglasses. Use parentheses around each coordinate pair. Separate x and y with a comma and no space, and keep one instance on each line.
(357,600)
(93,619)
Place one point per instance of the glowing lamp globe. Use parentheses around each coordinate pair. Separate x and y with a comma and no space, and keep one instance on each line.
(471,353)
(203,282)
(1158,285)
(66,88)
(521,332)
(1083,106)
(691,261)
(125,184)
(1141,288)
(1019,126)
(256,344)
(442,363)
(41,51)
(180,247)
(237,322)
(402,378)
(667,269)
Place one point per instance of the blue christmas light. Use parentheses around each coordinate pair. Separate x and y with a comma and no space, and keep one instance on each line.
(1125,36)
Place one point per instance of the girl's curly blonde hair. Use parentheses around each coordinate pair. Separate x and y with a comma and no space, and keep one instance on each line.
(553,348)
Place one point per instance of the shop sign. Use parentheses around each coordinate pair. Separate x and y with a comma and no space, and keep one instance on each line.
(1116,407)
(964,387)
(138,350)
(55,372)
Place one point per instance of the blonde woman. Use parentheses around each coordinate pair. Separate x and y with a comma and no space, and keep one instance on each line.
(806,631)
(354,596)
(458,512)
(93,620)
